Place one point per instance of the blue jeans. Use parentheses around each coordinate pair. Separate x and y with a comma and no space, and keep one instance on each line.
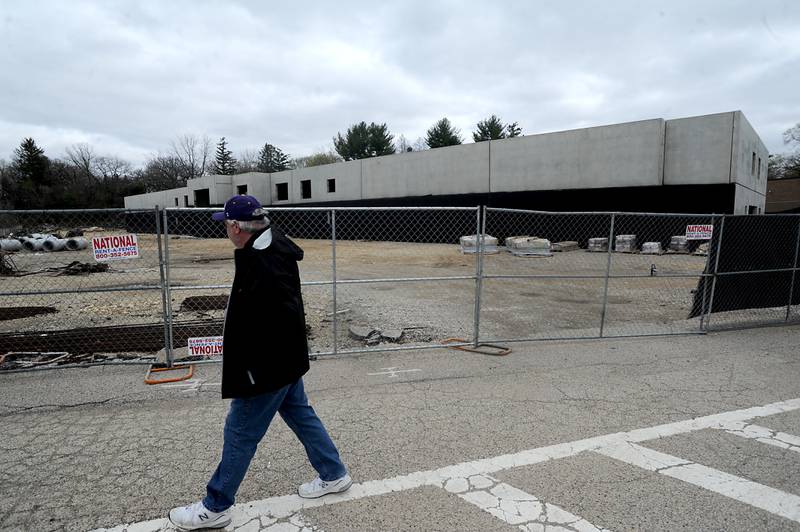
(247,422)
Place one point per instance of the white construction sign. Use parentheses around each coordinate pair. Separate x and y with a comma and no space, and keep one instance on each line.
(117,247)
(699,232)
(205,345)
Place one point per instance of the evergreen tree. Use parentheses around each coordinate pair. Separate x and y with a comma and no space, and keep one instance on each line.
(362,141)
(27,182)
(272,159)
(224,163)
(490,129)
(442,133)
(513,130)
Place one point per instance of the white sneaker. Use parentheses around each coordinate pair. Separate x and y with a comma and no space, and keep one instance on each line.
(196,516)
(318,487)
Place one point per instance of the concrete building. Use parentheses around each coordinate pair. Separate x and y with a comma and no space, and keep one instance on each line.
(712,163)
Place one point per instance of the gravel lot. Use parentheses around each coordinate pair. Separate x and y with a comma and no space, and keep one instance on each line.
(427,311)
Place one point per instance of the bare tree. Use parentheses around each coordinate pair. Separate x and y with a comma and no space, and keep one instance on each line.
(81,155)
(192,152)
(112,167)
(247,161)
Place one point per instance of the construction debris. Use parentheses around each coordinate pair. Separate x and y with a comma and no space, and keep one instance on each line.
(702,249)
(7,266)
(16,313)
(203,303)
(528,246)
(360,333)
(468,244)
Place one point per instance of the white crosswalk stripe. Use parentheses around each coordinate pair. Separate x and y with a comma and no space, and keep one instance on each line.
(770,499)
(473,483)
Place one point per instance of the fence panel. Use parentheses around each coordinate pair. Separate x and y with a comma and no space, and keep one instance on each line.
(544,290)
(657,264)
(200,272)
(80,285)
(402,280)
(756,272)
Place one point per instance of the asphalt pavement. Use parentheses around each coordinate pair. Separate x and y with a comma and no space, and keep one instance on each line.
(662,433)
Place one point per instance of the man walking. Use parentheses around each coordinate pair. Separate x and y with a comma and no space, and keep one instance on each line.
(265,355)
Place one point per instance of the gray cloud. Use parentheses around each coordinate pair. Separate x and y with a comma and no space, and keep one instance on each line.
(127,77)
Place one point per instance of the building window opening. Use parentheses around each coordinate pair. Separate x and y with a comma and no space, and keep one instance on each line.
(752,209)
(331,186)
(186,201)
(201,198)
(305,189)
(176,202)
(753,165)
(282,191)
(759,167)
(241,189)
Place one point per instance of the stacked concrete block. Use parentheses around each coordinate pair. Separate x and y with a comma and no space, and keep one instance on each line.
(652,248)
(567,245)
(598,244)
(528,246)
(678,244)
(625,244)
(469,244)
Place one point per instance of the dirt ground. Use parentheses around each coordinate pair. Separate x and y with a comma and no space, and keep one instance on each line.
(645,301)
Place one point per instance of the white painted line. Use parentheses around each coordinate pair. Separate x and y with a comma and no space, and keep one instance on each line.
(393,372)
(191,385)
(516,507)
(288,505)
(763,435)
(770,499)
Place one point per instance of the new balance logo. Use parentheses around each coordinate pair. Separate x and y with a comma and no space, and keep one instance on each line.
(202,516)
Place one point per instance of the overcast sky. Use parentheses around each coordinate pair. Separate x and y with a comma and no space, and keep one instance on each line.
(128,77)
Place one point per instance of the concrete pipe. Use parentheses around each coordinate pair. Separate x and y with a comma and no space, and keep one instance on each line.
(33,244)
(54,244)
(10,244)
(76,243)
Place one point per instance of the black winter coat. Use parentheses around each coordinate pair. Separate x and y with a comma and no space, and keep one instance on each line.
(264,340)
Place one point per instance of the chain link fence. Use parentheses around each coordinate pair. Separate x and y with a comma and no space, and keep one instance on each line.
(381,279)
(81,286)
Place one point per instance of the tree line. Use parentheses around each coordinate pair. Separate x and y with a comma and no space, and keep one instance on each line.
(82,178)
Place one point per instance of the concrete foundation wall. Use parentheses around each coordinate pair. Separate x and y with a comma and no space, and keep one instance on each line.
(163,198)
(460,169)
(703,150)
(220,188)
(346,176)
(698,150)
(619,155)
(745,198)
(257,185)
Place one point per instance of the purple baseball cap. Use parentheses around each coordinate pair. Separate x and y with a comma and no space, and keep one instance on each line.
(241,208)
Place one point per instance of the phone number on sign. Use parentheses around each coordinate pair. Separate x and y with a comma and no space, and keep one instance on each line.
(117,253)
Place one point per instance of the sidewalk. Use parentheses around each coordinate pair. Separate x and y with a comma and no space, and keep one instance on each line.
(94,448)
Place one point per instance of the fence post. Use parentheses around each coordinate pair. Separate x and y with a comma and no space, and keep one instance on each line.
(480,232)
(714,273)
(167,294)
(335,322)
(705,285)
(162,281)
(608,274)
(794,271)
